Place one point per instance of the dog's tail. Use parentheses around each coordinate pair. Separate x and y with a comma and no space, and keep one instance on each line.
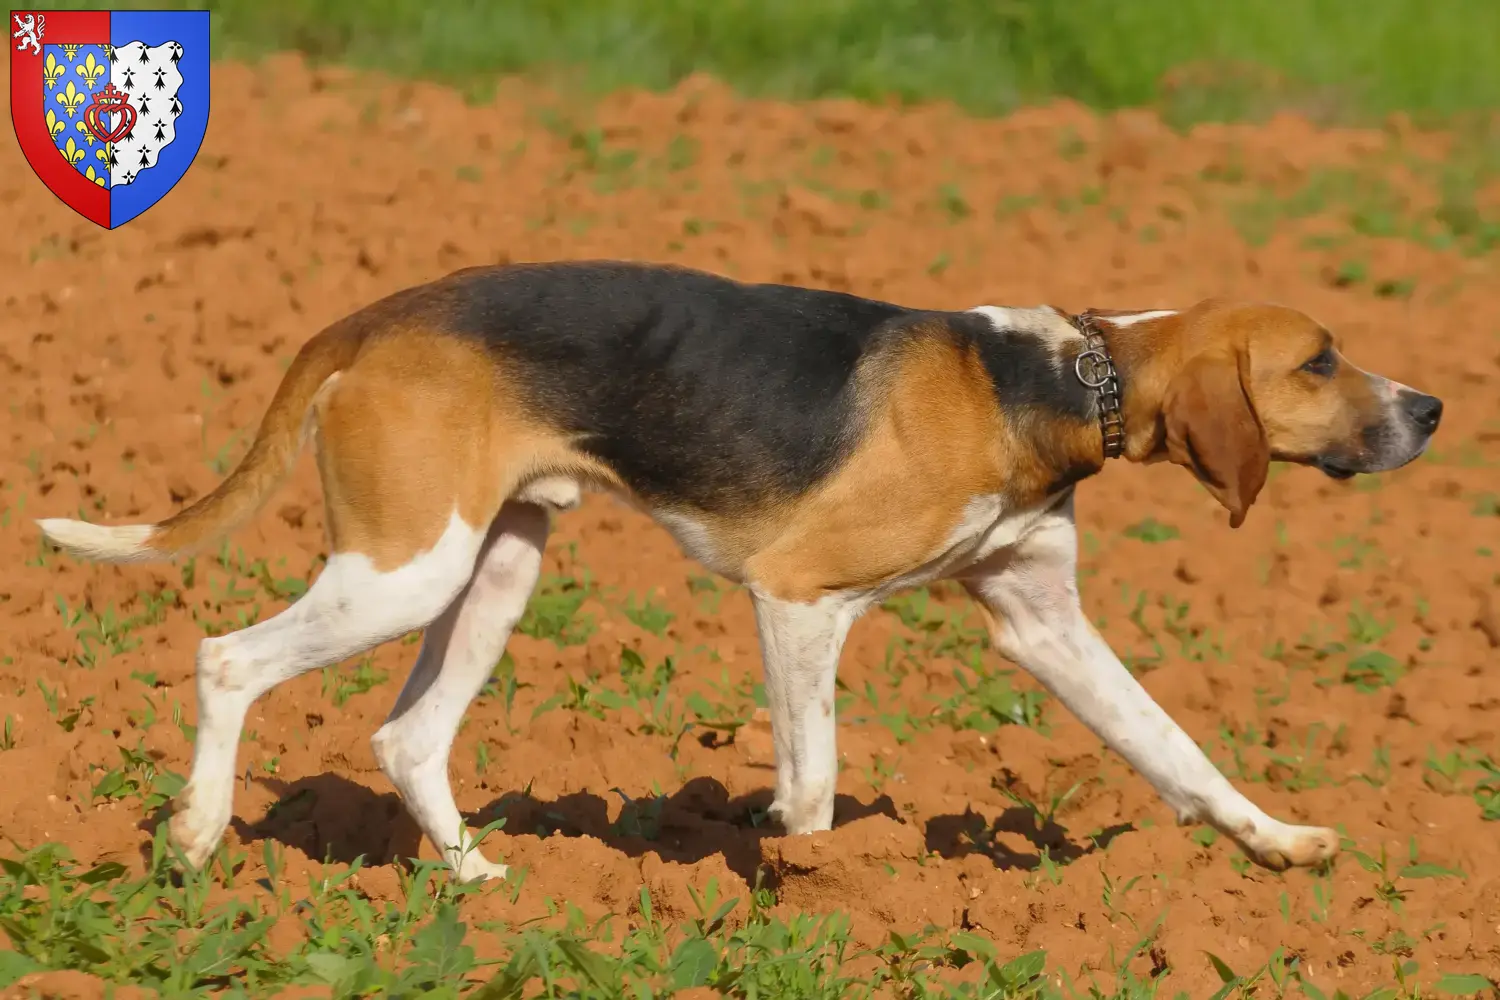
(277,443)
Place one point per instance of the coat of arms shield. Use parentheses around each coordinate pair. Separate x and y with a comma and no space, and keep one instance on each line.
(109,107)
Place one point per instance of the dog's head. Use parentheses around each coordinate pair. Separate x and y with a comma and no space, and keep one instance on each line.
(1256,383)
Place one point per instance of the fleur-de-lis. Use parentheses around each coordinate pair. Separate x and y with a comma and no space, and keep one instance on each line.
(71,51)
(91,70)
(51,70)
(106,154)
(83,130)
(71,99)
(72,152)
(55,124)
(97,179)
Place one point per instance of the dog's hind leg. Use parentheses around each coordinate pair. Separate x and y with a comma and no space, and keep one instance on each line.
(459,652)
(412,484)
(351,607)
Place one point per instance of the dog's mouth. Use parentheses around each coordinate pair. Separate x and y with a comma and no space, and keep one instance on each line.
(1333,470)
(1380,455)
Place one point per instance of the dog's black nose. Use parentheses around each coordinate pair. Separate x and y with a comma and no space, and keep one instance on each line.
(1425,411)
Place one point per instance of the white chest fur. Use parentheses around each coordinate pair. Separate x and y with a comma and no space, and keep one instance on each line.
(985,527)
(995,528)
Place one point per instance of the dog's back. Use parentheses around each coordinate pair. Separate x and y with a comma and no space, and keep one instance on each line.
(678,380)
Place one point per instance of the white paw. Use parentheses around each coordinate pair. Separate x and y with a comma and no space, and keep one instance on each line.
(475,868)
(798,817)
(196,838)
(1285,846)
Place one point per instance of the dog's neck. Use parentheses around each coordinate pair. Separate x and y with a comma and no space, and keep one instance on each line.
(1145,349)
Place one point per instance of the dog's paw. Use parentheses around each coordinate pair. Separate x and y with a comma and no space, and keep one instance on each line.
(194,838)
(476,868)
(804,810)
(1290,846)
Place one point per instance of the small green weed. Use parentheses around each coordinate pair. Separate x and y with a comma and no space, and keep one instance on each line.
(986,700)
(137,776)
(1151,530)
(553,611)
(341,685)
(649,615)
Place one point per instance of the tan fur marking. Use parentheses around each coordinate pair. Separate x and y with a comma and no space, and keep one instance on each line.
(1305,415)
(1300,415)
(422,427)
(1212,429)
(1180,371)
(932,442)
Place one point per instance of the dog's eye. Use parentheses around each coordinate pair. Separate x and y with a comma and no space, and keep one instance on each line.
(1321,363)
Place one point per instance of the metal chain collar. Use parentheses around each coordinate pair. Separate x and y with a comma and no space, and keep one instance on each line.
(1096,369)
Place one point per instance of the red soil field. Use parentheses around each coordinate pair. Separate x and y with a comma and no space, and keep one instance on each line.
(1335,655)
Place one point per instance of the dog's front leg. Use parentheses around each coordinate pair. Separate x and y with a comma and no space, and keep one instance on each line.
(800,644)
(1030,595)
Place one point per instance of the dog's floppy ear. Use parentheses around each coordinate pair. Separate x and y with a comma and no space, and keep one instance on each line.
(1212,430)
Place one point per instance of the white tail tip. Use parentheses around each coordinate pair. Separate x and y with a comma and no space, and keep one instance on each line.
(100,543)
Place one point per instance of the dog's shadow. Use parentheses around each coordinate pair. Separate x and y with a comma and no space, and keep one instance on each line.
(957,836)
(337,820)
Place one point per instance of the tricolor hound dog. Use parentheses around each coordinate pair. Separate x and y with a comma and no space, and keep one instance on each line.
(823,450)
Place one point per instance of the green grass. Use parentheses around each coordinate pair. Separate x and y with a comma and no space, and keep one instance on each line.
(1332,57)
(192,934)
(166,932)
(177,935)
(1365,205)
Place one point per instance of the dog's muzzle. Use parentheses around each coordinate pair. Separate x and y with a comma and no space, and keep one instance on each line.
(1412,419)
